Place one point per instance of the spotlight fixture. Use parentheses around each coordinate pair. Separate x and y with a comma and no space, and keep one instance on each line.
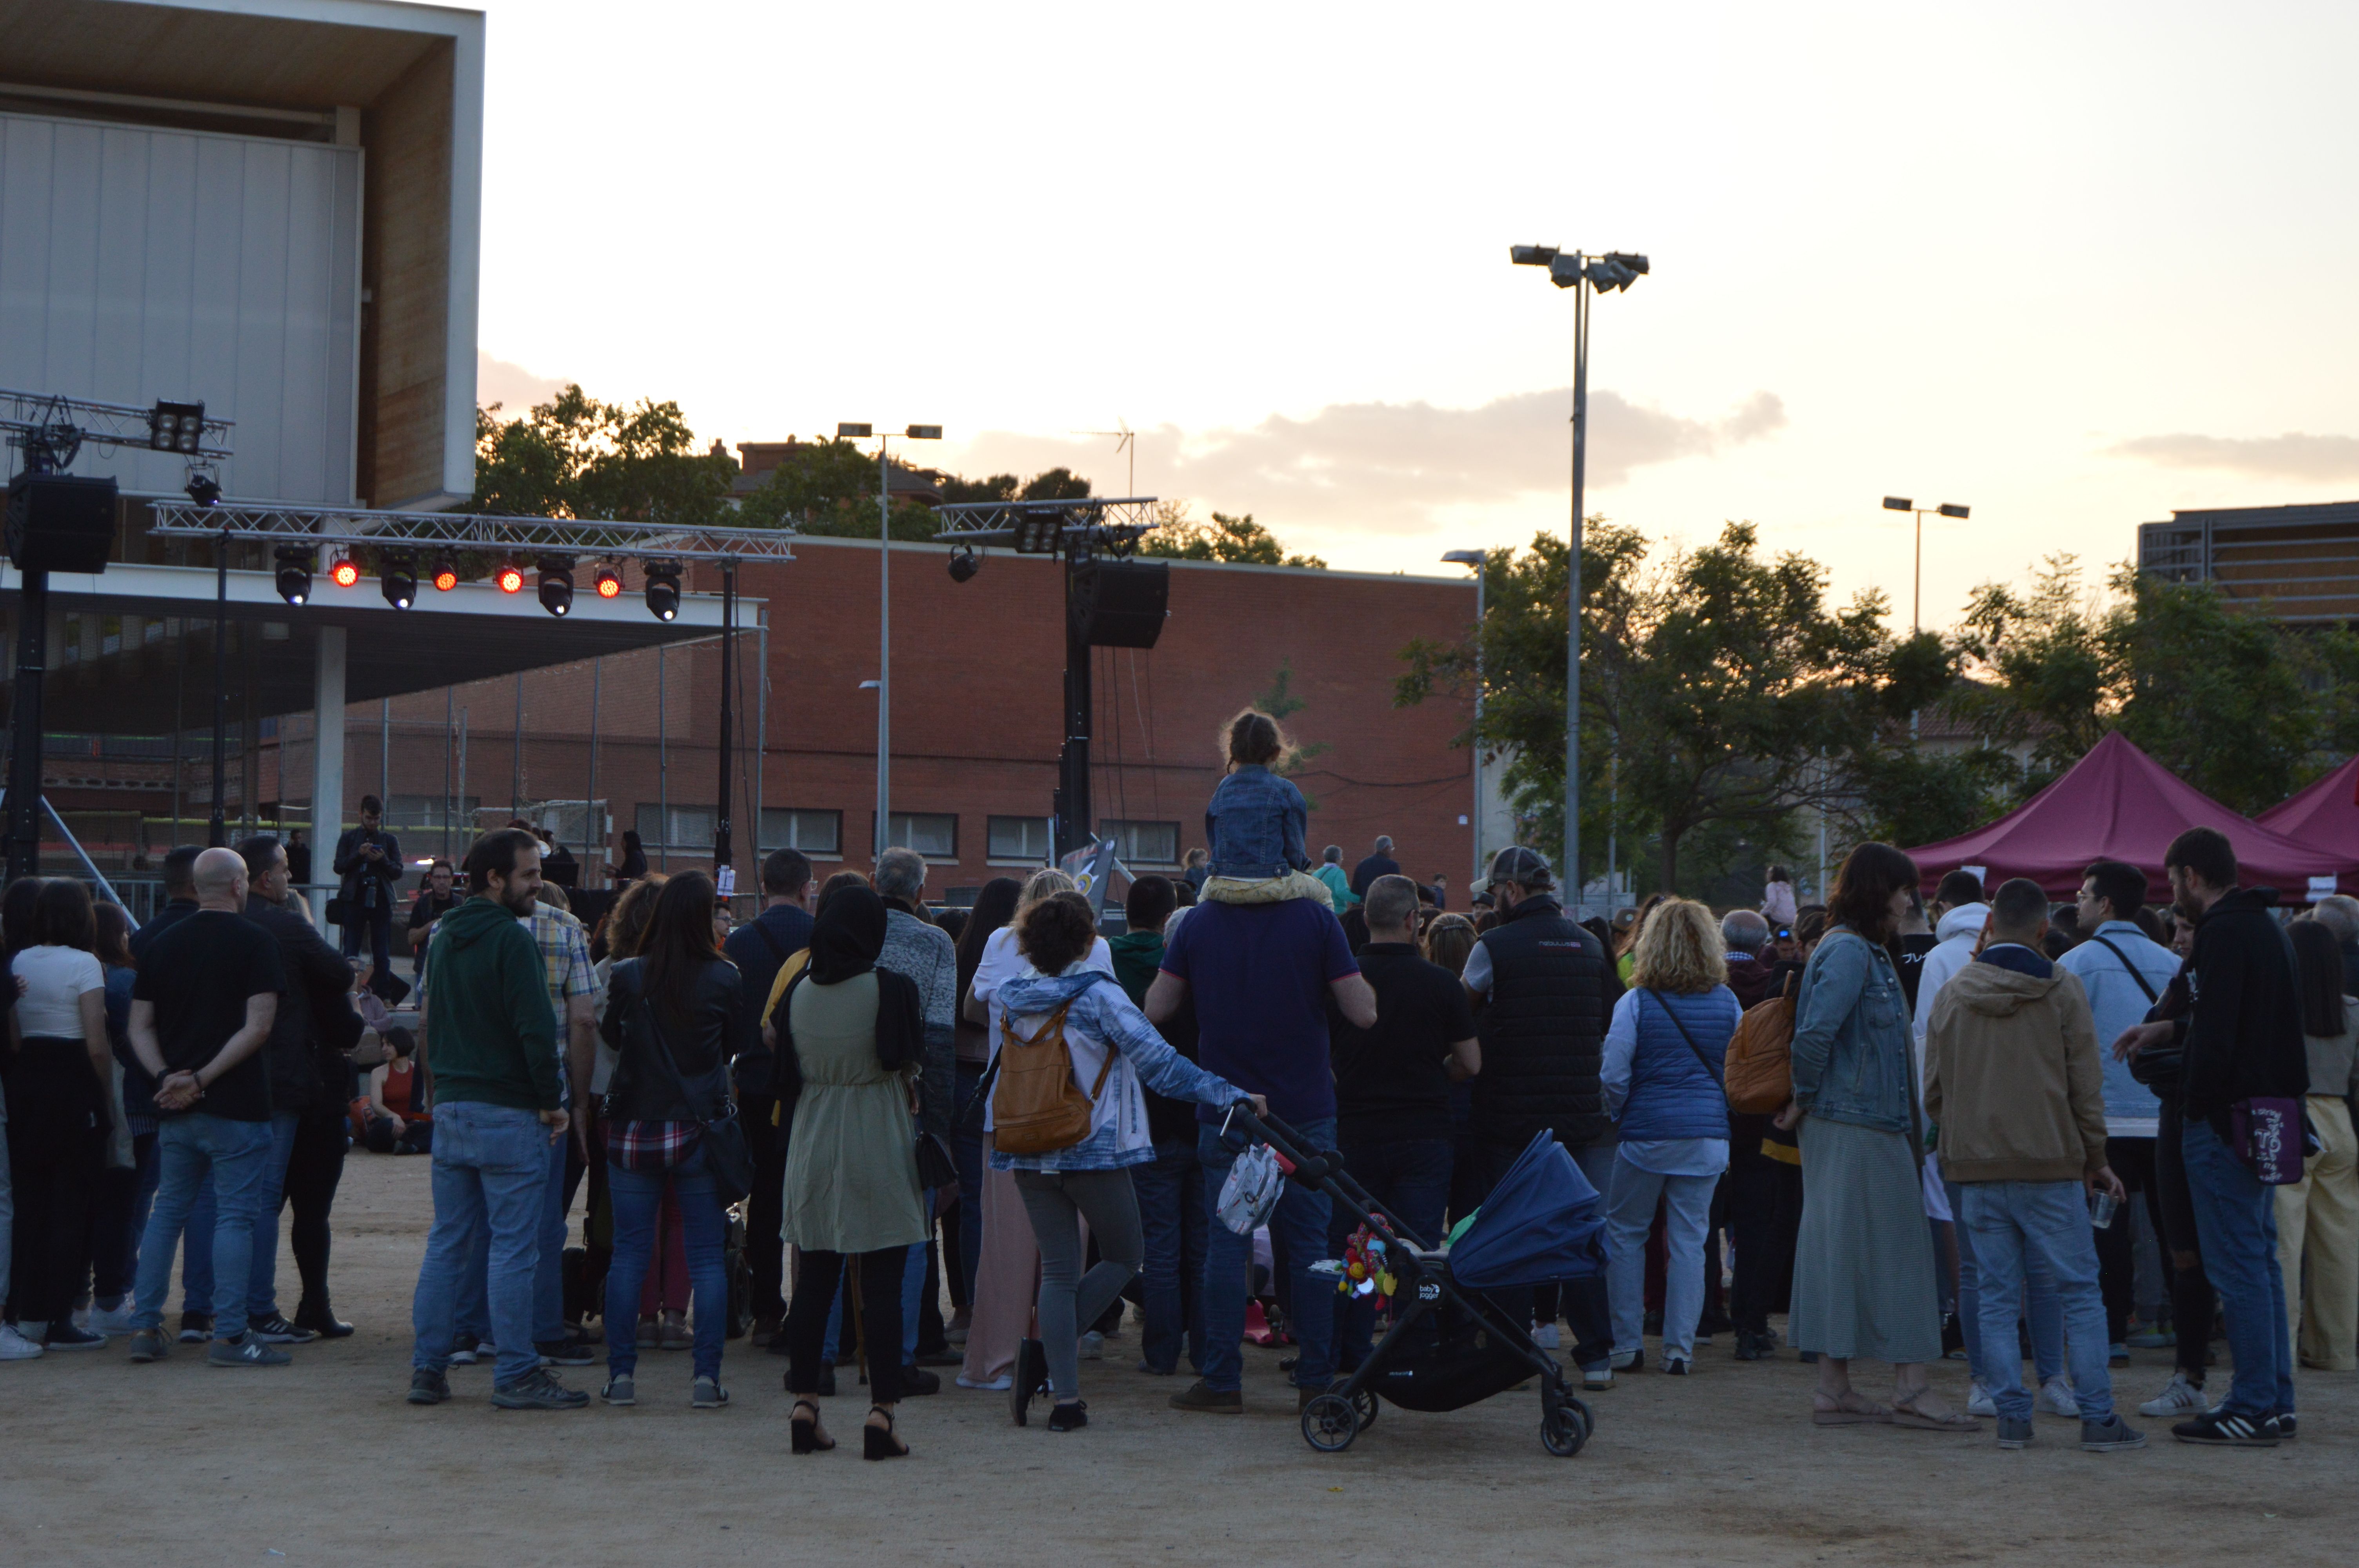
(1531,255)
(177,427)
(203,487)
(295,563)
(556,583)
(1037,532)
(663,588)
(1951,509)
(609,581)
(445,571)
(397,580)
(963,566)
(344,573)
(510,579)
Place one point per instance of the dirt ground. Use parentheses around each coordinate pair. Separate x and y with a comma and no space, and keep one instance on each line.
(103,1462)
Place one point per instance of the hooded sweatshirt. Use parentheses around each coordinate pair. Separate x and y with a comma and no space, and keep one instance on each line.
(2012,1074)
(491,1035)
(1954,952)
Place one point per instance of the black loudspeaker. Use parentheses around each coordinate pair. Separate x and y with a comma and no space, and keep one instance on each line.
(60,523)
(1121,604)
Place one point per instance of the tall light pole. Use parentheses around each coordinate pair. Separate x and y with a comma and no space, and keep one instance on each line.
(1480,562)
(1573,270)
(1917,594)
(885,618)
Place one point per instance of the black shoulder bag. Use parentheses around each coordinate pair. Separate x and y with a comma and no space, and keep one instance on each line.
(728,1158)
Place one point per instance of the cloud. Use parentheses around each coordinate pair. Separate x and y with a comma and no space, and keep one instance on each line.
(512,386)
(1395,467)
(2322,457)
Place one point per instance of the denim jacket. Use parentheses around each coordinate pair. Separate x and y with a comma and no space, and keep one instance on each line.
(1851,1056)
(1254,824)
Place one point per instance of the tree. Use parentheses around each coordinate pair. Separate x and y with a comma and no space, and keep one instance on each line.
(576,457)
(1224,538)
(1277,700)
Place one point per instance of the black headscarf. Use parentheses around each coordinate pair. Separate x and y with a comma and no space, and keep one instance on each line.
(846,941)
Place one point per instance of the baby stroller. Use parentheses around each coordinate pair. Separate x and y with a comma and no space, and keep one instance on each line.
(1450,1346)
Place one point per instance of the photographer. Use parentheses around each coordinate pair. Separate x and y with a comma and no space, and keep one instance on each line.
(368,860)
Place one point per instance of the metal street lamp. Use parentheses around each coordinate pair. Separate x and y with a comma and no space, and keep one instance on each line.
(1917,595)
(1579,272)
(883,617)
(1479,561)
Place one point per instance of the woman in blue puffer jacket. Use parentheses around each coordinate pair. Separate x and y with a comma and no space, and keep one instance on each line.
(1663,1075)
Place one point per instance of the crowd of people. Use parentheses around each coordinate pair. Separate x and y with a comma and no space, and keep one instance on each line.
(1911,1129)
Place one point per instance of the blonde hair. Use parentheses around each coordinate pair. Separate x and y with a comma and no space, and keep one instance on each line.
(1045,882)
(1449,942)
(1679,949)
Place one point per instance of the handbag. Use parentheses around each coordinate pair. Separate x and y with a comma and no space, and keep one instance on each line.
(728,1157)
(935,1167)
(2266,1134)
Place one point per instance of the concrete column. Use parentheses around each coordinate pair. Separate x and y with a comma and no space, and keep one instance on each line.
(328,764)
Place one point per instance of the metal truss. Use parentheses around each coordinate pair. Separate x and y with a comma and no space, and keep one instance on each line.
(353,527)
(1049,527)
(66,423)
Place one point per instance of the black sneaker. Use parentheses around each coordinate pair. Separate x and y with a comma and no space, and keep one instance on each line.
(538,1390)
(2111,1435)
(1752,1348)
(2282,1423)
(196,1327)
(2224,1429)
(245,1350)
(428,1388)
(1069,1418)
(464,1348)
(64,1335)
(564,1353)
(276,1330)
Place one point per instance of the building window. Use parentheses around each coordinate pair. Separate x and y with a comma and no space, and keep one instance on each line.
(1020,838)
(812,832)
(690,828)
(1143,843)
(933,834)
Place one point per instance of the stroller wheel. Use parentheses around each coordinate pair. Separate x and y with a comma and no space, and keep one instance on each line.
(1565,1428)
(1328,1423)
(1364,1405)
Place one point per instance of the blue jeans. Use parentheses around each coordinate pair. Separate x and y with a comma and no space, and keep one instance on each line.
(262,1269)
(1629,1216)
(2237,1227)
(966,1151)
(196,1232)
(2012,1222)
(2037,1304)
(1409,1178)
(703,1230)
(491,1162)
(549,1265)
(1299,1223)
(1170,1195)
(237,1154)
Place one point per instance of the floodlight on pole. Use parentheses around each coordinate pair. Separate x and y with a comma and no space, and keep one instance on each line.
(1916,593)
(850,431)
(1481,562)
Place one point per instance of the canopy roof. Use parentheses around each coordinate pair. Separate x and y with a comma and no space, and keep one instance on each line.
(2119,803)
(2325,816)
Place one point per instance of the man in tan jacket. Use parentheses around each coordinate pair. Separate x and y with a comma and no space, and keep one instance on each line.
(2013,1081)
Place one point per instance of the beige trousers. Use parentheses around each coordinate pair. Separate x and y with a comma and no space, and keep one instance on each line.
(2318,1218)
(1269,889)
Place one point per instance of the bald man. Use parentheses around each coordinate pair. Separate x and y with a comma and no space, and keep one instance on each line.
(204,1003)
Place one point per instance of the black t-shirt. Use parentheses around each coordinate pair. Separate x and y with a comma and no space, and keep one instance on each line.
(199,974)
(1390,1081)
(426,908)
(1909,960)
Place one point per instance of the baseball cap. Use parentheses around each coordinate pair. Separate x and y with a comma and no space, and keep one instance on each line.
(1523,867)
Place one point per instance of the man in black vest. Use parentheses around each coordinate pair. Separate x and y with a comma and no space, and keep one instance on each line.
(1543,989)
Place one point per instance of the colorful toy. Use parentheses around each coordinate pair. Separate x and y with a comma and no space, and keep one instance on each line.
(1365,1271)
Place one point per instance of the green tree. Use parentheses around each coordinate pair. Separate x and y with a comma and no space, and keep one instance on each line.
(1279,700)
(1224,538)
(576,457)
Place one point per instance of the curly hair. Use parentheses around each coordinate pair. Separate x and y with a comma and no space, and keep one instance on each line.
(1057,932)
(1679,949)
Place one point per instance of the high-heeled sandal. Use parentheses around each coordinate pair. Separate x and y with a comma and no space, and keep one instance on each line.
(803,1435)
(878,1441)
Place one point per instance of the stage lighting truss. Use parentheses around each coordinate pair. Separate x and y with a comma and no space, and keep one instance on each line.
(1089,525)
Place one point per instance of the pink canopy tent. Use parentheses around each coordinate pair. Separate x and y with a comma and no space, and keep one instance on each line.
(2119,803)
(2323,817)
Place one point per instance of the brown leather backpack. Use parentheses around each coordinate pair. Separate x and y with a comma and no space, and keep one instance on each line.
(1760,1060)
(1035,1106)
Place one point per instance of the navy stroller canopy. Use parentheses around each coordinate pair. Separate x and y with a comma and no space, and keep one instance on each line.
(1539,1225)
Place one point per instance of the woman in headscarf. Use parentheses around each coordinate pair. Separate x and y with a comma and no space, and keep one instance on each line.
(851,1040)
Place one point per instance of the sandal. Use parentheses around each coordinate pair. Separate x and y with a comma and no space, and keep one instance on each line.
(1851,1410)
(878,1441)
(804,1435)
(1906,1413)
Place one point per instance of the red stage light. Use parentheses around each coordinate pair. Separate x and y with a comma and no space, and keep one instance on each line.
(445,580)
(511,580)
(610,583)
(344,573)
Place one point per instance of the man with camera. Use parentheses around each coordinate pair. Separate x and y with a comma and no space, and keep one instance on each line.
(368,860)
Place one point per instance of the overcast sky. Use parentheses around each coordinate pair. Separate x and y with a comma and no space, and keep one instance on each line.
(2072,266)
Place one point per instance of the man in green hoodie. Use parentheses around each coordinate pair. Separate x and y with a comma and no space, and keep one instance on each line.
(499,1105)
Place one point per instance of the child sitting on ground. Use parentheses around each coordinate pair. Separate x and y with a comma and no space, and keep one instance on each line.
(1256,822)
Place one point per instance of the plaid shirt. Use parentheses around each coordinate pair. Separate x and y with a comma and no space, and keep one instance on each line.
(651,1148)
(565,961)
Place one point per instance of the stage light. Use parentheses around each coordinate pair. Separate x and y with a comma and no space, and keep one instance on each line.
(203,487)
(344,573)
(663,589)
(177,427)
(963,566)
(556,583)
(295,563)
(610,582)
(445,572)
(1531,255)
(397,580)
(1039,533)
(510,579)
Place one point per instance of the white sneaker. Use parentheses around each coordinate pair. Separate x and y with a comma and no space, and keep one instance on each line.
(1092,1345)
(2057,1393)
(117,1321)
(1979,1400)
(15,1347)
(2178,1397)
(1545,1336)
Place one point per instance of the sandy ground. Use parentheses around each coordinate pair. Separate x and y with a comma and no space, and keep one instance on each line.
(103,1462)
